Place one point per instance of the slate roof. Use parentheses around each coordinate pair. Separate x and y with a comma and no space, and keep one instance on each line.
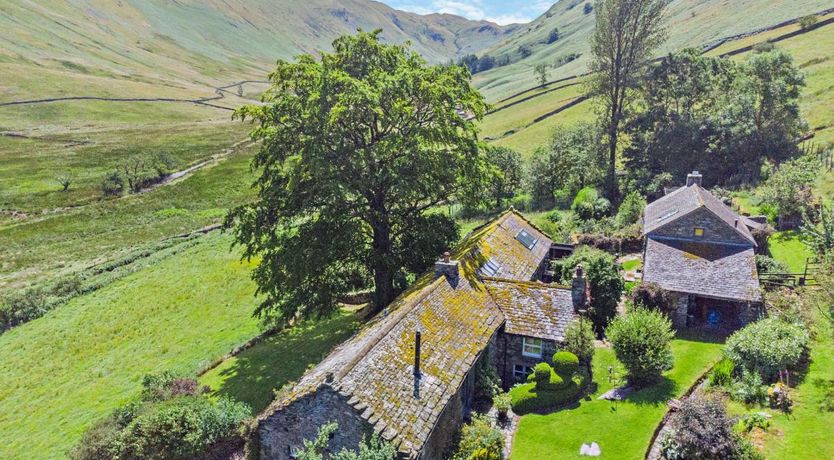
(533,309)
(374,369)
(685,200)
(702,268)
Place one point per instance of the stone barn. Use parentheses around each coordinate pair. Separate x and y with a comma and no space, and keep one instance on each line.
(409,373)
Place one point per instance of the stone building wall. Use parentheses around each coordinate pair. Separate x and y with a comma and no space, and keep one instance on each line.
(509,353)
(715,229)
(301,420)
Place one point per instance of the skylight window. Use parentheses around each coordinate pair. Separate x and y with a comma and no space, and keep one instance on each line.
(667,215)
(490,268)
(526,239)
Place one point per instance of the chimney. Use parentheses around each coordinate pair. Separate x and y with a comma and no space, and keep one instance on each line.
(579,290)
(417,374)
(448,268)
(693,178)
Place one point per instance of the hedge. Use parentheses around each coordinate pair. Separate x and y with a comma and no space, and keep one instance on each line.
(526,398)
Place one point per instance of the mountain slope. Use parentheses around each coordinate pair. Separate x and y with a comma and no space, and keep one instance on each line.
(690,23)
(100,45)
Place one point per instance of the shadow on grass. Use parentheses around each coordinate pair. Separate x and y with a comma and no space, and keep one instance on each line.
(701,335)
(281,358)
(662,391)
(826,387)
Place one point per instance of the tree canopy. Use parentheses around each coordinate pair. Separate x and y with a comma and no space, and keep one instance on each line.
(357,147)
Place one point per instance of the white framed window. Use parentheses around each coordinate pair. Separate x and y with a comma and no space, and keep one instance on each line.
(531,348)
(520,372)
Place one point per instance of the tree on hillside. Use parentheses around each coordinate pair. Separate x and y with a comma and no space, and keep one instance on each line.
(506,179)
(65,180)
(357,147)
(625,34)
(541,72)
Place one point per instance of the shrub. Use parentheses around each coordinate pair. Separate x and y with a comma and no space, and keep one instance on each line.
(779,397)
(631,209)
(181,428)
(606,284)
(113,184)
(749,388)
(806,22)
(641,342)
(653,297)
(755,420)
(99,442)
(487,382)
(527,397)
(479,440)
(565,364)
(502,403)
(589,205)
(579,340)
(768,346)
(703,430)
(766,264)
(722,373)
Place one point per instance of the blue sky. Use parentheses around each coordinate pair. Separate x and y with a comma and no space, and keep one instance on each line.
(500,11)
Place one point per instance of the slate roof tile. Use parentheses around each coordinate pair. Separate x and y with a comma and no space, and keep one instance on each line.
(533,309)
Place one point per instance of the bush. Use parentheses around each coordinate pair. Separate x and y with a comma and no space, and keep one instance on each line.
(806,22)
(606,284)
(631,209)
(749,388)
(479,440)
(702,430)
(779,397)
(579,340)
(641,342)
(768,346)
(589,205)
(541,375)
(653,297)
(565,364)
(99,442)
(766,264)
(113,184)
(527,398)
(755,420)
(502,403)
(722,374)
(487,382)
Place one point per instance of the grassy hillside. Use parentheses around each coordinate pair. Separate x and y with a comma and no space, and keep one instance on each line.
(62,372)
(516,126)
(689,23)
(185,48)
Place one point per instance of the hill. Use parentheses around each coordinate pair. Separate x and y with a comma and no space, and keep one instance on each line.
(176,49)
(689,23)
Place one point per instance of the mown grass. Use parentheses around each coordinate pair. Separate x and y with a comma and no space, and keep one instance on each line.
(57,243)
(622,429)
(60,373)
(788,248)
(253,375)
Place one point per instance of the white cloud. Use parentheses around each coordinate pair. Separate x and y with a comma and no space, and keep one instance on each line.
(477,10)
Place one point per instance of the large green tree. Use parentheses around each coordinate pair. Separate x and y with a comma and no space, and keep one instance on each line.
(357,147)
(626,33)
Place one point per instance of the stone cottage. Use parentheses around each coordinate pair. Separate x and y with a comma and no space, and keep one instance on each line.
(409,373)
(699,249)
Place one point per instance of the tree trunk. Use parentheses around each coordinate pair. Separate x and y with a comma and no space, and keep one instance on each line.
(382,261)
(611,189)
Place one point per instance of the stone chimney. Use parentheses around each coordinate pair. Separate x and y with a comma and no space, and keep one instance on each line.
(693,178)
(448,268)
(579,290)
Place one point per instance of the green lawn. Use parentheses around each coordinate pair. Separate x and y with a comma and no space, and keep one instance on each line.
(788,248)
(252,375)
(622,429)
(62,372)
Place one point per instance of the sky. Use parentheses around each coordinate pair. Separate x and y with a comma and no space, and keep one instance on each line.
(500,11)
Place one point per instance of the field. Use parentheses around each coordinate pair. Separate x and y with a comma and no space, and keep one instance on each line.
(62,372)
(622,429)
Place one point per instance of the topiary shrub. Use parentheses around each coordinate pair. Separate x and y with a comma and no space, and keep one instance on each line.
(544,378)
(527,398)
(768,346)
(641,342)
(565,364)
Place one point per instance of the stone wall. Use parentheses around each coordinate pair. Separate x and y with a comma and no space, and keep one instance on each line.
(301,419)
(715,229)
(509,353)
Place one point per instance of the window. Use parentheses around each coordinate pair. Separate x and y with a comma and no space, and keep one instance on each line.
(520,372)
(699,231)
(531,348)
(667,215)
(526,239)
(490,268)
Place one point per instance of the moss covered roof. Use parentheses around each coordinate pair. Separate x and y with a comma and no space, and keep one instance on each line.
(533,309)
(374,369)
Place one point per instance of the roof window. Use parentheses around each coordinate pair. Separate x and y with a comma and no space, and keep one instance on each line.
(490,268)
(526,239)
(667,215)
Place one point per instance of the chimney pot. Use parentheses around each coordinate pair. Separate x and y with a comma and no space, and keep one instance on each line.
(447,257)
(694,178)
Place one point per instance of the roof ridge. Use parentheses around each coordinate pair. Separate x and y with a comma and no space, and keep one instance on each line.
(537,284)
